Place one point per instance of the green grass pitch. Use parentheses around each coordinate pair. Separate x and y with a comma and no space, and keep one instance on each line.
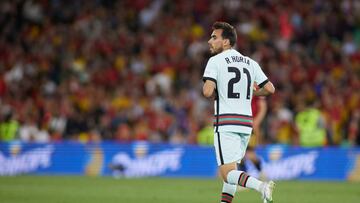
(68,189)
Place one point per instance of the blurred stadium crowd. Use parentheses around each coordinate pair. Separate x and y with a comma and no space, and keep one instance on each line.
(127,70)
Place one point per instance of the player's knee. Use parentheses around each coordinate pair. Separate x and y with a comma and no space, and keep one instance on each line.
(224,176)
(224,171)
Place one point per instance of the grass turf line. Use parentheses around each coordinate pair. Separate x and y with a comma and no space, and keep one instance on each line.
(74,189)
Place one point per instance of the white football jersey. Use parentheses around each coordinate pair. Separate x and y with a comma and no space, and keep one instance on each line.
(234,75)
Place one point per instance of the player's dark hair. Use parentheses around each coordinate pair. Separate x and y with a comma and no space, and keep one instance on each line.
(229,31)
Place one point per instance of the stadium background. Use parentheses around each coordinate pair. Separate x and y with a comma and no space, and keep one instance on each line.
(84,81)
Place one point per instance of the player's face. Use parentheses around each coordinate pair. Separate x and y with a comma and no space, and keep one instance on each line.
(216,42)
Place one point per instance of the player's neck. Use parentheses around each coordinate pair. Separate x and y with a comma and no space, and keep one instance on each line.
(226,48)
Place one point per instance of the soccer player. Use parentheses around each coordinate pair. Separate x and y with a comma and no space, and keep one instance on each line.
(229,78)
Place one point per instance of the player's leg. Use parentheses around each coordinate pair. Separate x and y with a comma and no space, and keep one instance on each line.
(231,175)
(256,161)
(252,156)
(228,192)
(228,155)
(250,150)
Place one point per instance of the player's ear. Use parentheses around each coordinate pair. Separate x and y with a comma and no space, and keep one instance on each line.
(226,42)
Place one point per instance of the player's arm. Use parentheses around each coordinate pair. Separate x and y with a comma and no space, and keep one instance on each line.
(210,79)
(209,88)
(265,90)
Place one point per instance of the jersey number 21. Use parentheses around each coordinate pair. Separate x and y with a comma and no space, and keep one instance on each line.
(236,79)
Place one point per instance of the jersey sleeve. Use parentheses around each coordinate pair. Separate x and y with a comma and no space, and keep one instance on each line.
(210,72)
(260,77)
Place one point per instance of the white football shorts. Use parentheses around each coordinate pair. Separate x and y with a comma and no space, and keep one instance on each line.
(230,146)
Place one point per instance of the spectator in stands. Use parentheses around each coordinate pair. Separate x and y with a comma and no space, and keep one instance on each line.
(310,125)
